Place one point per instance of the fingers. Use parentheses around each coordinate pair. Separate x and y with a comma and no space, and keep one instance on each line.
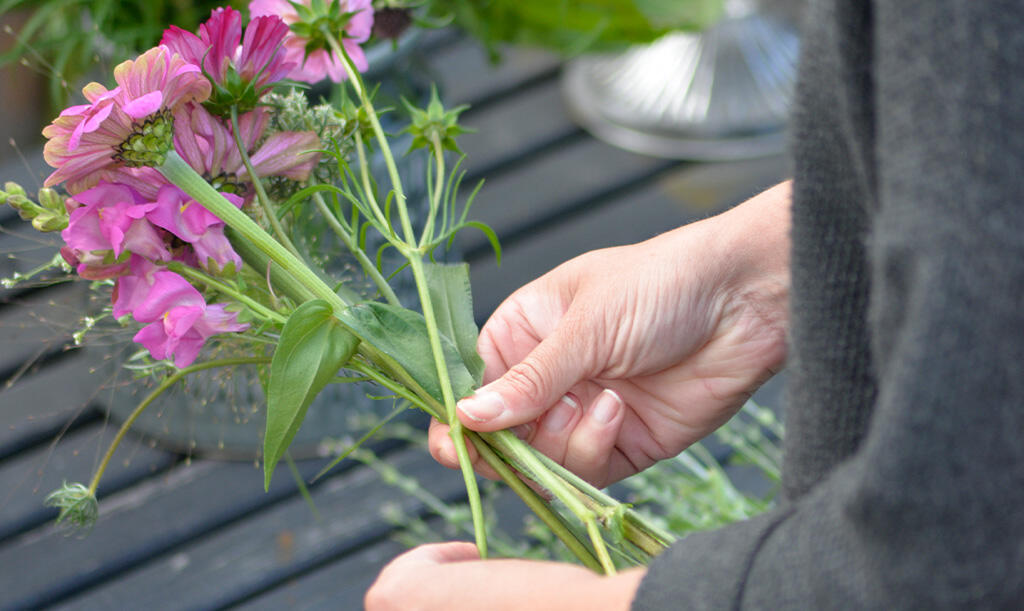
(589,448)
(442,448)
(529,387)
(442,553)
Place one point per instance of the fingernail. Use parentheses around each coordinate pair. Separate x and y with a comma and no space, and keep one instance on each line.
(606,406)
(482,406)
(523,431)
(559,416)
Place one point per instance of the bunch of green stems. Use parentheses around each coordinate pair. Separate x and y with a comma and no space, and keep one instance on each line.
(602,532)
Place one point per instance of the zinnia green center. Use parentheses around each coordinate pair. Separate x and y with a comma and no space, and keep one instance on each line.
(149,143)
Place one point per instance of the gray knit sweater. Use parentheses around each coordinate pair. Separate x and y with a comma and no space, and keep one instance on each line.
(904,467)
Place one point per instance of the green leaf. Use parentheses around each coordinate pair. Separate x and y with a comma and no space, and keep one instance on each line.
(453,308)
(401,335)
(313,346)
(672,14)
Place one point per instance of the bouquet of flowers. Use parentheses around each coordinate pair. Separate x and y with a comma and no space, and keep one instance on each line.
(181,185)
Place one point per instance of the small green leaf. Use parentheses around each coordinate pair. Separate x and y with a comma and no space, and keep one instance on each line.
(313,346)
(401,335)
(453,309)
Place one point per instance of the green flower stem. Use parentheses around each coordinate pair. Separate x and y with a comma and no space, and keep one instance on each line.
(164,385)
(261,194)
(346,237)
(278,281)
(645,535)
(416,263)
(535,503)
(455,426)
(393,386)
(257,308)
(525,456)
(364,177)
(648,537)
(357,84)
(181,174)
(435,199)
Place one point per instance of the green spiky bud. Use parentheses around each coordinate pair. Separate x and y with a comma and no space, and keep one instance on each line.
(78,507)
(435,123)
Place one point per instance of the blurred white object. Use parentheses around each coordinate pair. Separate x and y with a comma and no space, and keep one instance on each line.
(715,95)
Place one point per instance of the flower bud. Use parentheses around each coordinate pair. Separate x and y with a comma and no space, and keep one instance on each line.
(51,200)
(13,188)
(47,221)
(78,506)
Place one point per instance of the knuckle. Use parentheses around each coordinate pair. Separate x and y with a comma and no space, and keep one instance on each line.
(528,380)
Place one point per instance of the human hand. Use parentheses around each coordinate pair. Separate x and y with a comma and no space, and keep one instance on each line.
(625,356)
(447,576)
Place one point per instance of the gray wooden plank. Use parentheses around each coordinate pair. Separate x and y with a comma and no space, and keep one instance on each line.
(147,519)
(25,167)
(22,249)
(338,585)
(467,76)
(676,198)
(268,547)
(531,121)
(27,478)
(42,402)
(580,170)
(39,323)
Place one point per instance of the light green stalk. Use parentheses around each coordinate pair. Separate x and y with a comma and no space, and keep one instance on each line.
(415,256)
(164,385)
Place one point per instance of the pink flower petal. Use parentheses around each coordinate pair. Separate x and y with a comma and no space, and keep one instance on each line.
(145,105)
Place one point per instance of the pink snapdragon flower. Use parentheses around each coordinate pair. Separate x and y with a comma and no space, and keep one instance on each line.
(110,220)
(241,69)
(132,288)
(315,60)
(192,223)
(130,125)
(180,321)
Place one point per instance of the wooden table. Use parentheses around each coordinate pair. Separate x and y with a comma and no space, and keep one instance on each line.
(180,531)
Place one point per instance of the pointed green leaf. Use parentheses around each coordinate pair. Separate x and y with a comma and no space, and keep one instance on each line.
(313,346)
(453,309)
(401,335)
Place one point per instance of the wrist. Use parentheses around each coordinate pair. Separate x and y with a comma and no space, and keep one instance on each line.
(752,242)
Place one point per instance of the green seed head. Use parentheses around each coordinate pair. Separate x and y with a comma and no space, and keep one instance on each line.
(149,144)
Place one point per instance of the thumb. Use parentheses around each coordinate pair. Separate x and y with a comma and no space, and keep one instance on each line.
(528,389)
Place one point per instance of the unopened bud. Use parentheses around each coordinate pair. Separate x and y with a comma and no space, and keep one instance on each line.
(27,209)
(46,221)
(13,188)
(51,200)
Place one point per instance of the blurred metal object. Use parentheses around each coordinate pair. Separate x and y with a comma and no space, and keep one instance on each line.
(715,95)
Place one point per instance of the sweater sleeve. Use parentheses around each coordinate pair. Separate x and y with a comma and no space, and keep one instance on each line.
(928,512)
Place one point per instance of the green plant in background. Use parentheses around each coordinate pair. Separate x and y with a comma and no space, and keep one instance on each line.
(66,39)
(571,27)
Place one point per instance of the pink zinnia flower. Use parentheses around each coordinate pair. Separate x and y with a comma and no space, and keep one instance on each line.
(110,221)
(207,144)
(242,70)
(315,60)
(179,319)
(130,125)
